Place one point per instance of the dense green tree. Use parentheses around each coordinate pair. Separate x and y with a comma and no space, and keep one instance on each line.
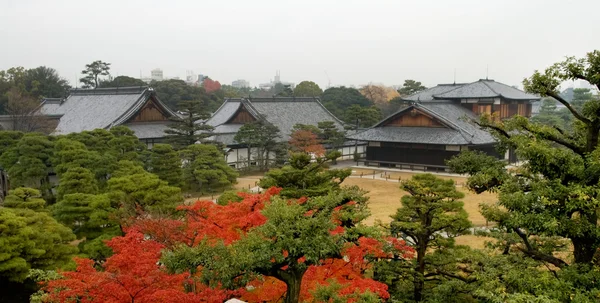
(261,139)
(331,135)
(24,197)
(31,239)
(363,116)
(553,196)
(28,162)
(190,127)
(121,81)
(92,73)
(166,164)
(45,82)
(142,192)
(74,154)
(9,139)
(338,99)
(94,140)
(36,83)
(307,89)
(305,178)
(205,168)
(430,217)
(76,180)
(125,145)
(410,87)
(89,216)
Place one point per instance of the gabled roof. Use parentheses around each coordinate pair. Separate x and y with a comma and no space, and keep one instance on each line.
(485,88)
(458,129)
(283,112)
(427,95)
(88,109)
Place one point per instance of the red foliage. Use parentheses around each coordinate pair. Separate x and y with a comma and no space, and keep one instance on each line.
(133,271)
(207,220)
(132,274)
(306,141)
(211,85)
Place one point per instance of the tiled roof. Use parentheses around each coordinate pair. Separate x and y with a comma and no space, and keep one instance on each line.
(89,109)
(486,89)
(281,112)
(483,88)
(427,95)
(149,130)
(458,131)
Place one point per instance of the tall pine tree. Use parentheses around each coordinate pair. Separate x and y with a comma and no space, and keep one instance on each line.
(190,126)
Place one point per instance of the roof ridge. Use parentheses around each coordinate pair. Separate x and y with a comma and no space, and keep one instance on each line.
(485,82)
(456,126)
(129,90)
(457,87)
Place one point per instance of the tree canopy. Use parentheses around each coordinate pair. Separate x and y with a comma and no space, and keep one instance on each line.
(307,89)
(410,87)
(93,72)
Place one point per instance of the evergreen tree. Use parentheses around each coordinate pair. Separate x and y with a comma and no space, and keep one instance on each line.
(430,217)
(305,178)
(205,168)
(76,180)
(261,139)
(124,145)
(24,197)
(28,163)
(190,128)
(166,164)
(30,239)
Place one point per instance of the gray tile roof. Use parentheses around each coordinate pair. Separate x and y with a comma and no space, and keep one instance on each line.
(427,95)
(89,109)
(281,112)
(150,130)
(458,131)
(486,89)
(483,88)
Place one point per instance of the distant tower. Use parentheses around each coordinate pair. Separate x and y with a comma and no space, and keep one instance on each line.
(277,77)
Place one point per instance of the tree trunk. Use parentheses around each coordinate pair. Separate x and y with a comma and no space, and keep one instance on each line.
(592,137)
(292,295)
(419,279)
(584,250)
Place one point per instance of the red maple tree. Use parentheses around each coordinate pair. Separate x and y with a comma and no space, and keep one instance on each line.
(307,142)
(211,85)
(132,274)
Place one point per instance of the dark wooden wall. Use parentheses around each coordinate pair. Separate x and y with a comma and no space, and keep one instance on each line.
(241,117)
(425,154)
(148,113)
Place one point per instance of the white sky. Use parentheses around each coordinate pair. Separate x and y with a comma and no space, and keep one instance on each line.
(356,42)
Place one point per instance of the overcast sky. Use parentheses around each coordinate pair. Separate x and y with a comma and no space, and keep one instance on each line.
(354,42)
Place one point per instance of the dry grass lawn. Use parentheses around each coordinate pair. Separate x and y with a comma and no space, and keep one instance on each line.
(385,200)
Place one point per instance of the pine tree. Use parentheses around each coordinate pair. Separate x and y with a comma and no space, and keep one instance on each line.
(166,164)
(190,127)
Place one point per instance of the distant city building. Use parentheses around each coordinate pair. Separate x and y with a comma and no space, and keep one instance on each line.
(156,74)
(270,85)
(240,83)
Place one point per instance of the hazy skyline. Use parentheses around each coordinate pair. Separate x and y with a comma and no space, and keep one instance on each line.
(355,42)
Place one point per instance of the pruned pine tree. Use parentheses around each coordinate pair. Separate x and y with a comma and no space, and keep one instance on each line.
(190,127)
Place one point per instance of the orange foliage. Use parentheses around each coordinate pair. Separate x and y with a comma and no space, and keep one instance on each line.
(211,85)
(306,141)
(133,272)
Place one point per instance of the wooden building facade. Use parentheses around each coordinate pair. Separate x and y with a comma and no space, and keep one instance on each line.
(438,125)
